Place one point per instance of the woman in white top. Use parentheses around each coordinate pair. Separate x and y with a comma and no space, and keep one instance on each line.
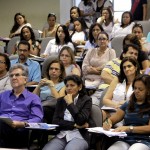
(61,38)
(106,20)
(19,22)
(120,88)
(125,27)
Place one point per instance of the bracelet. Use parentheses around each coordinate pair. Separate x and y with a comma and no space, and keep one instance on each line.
(52,85)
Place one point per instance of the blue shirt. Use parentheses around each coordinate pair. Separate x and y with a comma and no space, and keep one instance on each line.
(134,118)
(33,67)
(45,93)
(26,107)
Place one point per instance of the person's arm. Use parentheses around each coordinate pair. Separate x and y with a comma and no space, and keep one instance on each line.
(106,77)
(145,65)
(86,67)
(115,118)
(144,11)
(107,100)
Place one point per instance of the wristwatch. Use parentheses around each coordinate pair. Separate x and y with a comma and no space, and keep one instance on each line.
(131,128)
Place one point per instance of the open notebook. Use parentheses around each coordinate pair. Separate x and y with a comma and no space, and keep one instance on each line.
(109,133)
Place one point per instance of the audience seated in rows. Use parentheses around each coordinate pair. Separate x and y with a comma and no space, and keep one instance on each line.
(21,106)
(19,22)
(33,66)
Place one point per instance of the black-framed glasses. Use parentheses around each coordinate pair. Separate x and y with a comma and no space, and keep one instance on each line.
(16,75)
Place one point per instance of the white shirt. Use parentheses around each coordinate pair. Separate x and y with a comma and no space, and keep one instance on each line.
(70,134)
(53,48)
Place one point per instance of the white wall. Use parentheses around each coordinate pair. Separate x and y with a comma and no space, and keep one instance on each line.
(36,12)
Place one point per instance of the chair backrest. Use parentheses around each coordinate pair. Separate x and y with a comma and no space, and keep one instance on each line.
(102,96)
(11,44)
(46,63)
(117,45)
(146,27)
(97,116)
(44,42)
(37,34)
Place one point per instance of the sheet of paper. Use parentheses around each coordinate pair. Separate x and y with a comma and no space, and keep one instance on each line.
(44,126)
(108,133)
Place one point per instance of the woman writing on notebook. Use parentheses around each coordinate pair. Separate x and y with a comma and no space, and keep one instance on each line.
(136,118)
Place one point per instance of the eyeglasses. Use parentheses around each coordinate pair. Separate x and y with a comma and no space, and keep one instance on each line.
(51,68)
(23,50)
(63,55)
(102,39)
(16,75)
(2,62)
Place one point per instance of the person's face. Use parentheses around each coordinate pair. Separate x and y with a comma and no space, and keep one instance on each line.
(138,32)
(131,53)
(95,31)
(105,13)
(51,21)
(26,34)
(140,91)
(72,88)
(60,33)
(65,57)
(54,71)
(77,26)
(20,20)
(129,69)
(17,79)
(23,52)
(3,66)
(102,40)
(126,18)
(74,13)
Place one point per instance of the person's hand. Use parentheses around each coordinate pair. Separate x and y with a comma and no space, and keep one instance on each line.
(86,125)
(18,124)
(103,19)
(93,70)
(44,56)
(107,124)
(68,98)
(122,129)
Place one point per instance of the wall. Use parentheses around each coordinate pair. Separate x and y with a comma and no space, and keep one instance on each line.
(36,12)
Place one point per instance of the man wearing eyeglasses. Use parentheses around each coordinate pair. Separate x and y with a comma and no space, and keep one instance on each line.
(33,66)
(21,106)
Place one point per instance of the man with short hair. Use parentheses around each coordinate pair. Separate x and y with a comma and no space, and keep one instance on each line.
(21,106)
(33,66)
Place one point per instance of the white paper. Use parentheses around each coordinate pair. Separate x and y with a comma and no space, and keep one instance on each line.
(108,133)
(108,108)
(44,126)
